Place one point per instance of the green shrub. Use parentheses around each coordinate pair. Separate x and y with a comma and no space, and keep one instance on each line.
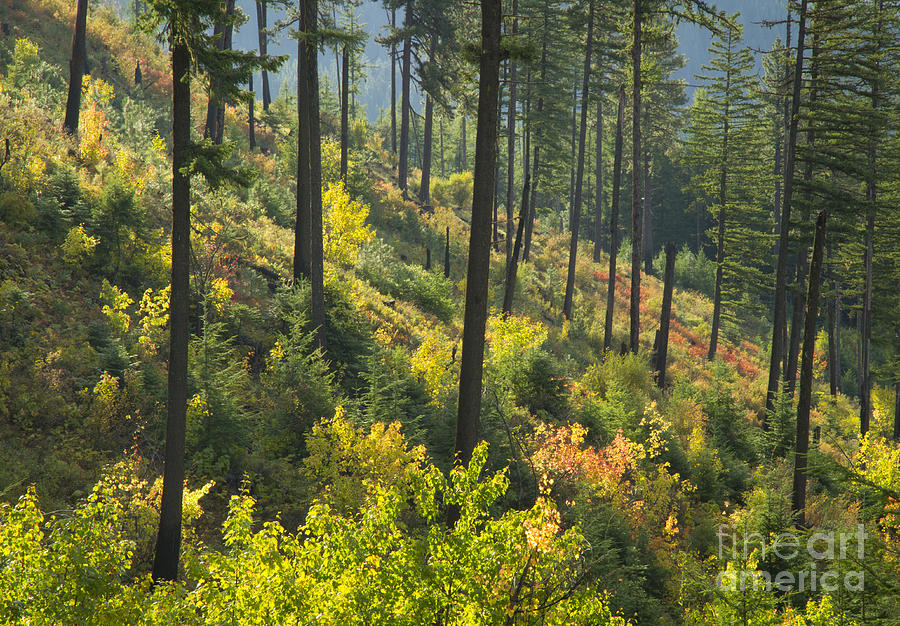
(692,271)
(454,192)
(428,289)
(16,210)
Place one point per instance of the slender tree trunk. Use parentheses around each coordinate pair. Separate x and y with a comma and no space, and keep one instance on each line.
(636,213)
(614,220)
(648,215)
(470,378)
(836,351)
(723,200)
(511,140)
(532,204)
(226,45)
(465,142)
(598,184)
(441,133)
(579,175)
(665,316)
(168,539)
(513,266)
(447,255)
(403,167)
(252,115)
(833,357)
(302,232)
(345,111)
(215,87)
(425,186)
(573,142)
(798,502)
(495,220)
(317,257)
(393,86)
(76,69)
(803,250)
(262,25)
(779,317)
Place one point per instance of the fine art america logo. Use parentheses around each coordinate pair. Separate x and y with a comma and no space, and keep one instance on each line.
(823,571)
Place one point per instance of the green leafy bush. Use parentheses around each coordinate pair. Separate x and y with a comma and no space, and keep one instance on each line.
(428,289)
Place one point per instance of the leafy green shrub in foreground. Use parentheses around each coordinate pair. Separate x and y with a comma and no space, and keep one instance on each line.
(369,567)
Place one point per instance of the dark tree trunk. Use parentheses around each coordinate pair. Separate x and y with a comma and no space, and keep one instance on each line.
(462,155)
(447,255)
(403,166)
(598,183)
(614,220)
(834,329)
(168,540)
(441,133)
(720,241)
(262,25)
(425,186)
(790,375)
(665,315)
(532,204)
(76,69)
(511,141)
(512,267)
(637,153)
(212,109)
(302,232)
(648,216)
(252,114)
(393,86)
(779,317)
(227,45)
(345,111)
(573,142)
(470,375)
(798,502)
(579,174)
(317,259)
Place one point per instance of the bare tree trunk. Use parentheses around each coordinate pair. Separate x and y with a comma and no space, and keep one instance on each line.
(345,111)
(403,167)
(834,341)
(447,255)
(648,215)
(262,25)
(227,45)
(511,140)
(720,242)
(393,86)
(168,539)
(252,115)
(779,317)
(470,378)
(463,156)
(803,250)
(798,502)
(579,175)
(513,266)
(76,69)
(441,132)
(302,232)
(614,220)
(665,315)
(317,258)
(425,184)
(636,213)
(598,184)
